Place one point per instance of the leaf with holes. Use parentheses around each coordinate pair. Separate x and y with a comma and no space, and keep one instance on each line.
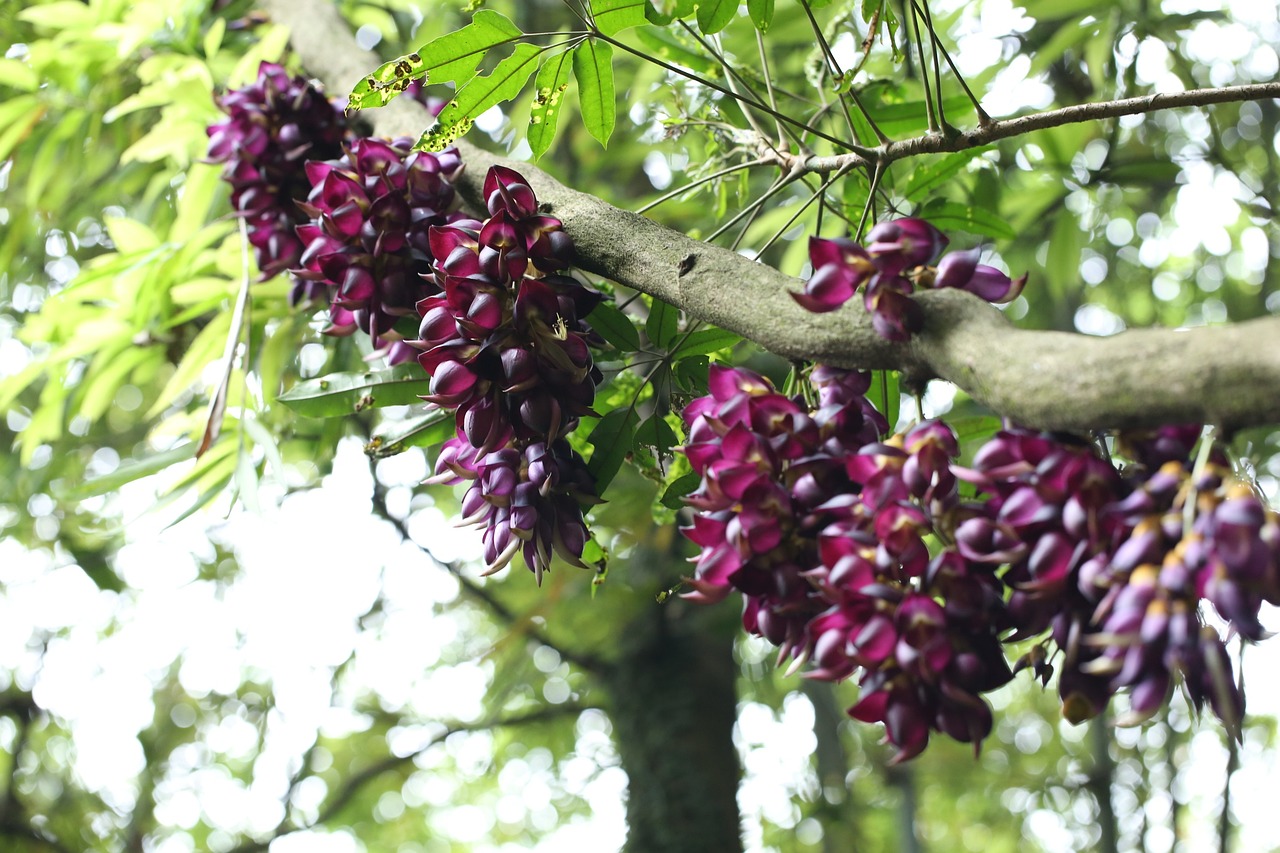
(426,430)
(345,393)
(479,94)
(548,100)
(761,12)
(452,57)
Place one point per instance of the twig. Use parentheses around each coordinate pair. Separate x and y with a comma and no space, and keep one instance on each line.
(933,143)
(477,591)
(353,784)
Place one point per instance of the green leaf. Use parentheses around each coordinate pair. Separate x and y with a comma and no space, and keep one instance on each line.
(451,57)
(705,342)
(663,12)
(931,175)
(480,93)
(1062,261)
(127,472)
(428,430)
(885,396)
(666,45)
(213,37)
(615,327)
(691,374)
(1052,10)
(673,497)
(663,323)
(18,75)
(761,12)
(953,216)
(612,439)
(548,99)
(344,393)
(715,15)
(614,16)
(655,432)
(593,69)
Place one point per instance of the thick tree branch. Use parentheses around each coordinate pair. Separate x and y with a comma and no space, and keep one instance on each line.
(1229,375)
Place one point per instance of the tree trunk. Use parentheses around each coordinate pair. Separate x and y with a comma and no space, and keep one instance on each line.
(673,706)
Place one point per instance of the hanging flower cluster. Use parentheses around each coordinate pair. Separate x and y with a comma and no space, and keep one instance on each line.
(820,524)
(824,527)
(506,346)
(892,265)
(1115,565)
(371,211)
(273,126)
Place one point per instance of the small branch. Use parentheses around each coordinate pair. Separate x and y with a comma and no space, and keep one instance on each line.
(480,593)
(354,783)
(933,143)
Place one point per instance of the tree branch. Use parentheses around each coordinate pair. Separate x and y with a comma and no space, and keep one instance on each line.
(354,783)
(940,143)
(480,593)
(1228,375)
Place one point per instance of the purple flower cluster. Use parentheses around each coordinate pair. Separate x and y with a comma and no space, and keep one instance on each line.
(273,126)
(1115,565)
(821,526)
(825,528)
(892,265)
(371,211)
(506,345)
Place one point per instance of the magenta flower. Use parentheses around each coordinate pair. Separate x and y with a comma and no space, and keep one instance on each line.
(273,126)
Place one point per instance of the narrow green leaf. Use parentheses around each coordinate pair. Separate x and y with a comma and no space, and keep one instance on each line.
(615,327)
(613,16)
(110,368)
(885,396)
(427,430)
(127,472)
(451,57)
(344,393)
(548,100)
(480,93)
(263,438)
(593,69)
(663,323)
(949,216)
(202,352)
(761,12)
(715,15)
(612,439)
(705,342)
(1062,263)
(213,37)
